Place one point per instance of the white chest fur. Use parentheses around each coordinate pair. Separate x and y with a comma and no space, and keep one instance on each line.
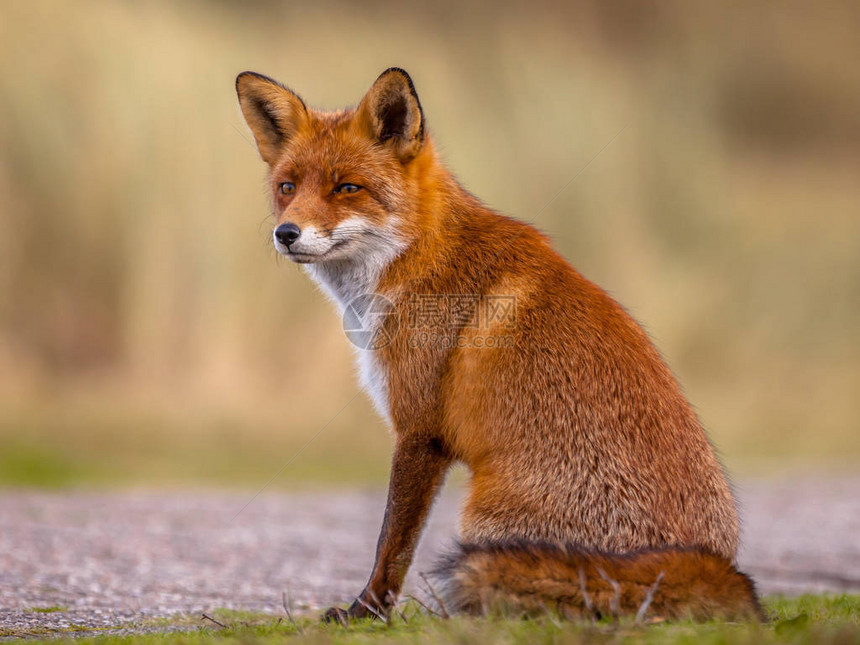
(372,372)
(344,281)
(374,379)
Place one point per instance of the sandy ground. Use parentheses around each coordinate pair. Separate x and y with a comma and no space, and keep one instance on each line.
(114,559)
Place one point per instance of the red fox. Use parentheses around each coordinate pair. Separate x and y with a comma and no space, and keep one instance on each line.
(593,486)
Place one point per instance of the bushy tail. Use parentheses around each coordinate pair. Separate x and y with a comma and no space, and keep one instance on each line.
(534,579)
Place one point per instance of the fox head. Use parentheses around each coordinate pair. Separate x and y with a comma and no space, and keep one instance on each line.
(343,183)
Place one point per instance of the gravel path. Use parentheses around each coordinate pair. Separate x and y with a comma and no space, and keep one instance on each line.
(119,558)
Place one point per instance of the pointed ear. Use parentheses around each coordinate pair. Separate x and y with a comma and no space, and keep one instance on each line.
(391,113)
(273,112)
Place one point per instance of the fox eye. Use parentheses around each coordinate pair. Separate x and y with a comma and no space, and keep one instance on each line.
(287,188)
(347,188)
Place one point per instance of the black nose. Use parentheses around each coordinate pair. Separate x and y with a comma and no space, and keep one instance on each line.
(286,234)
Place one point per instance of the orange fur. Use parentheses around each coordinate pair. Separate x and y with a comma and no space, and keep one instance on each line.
(574,429)
(534,579)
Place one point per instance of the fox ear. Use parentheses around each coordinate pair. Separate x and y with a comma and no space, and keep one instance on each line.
(391,113)
(273,112)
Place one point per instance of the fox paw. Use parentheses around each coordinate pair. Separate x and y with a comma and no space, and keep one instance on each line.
(336,615)
(359,609)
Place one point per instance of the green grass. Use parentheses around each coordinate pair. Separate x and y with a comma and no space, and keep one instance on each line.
(805,619)
(48,610)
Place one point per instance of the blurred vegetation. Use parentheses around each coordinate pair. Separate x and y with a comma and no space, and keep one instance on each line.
(148,334)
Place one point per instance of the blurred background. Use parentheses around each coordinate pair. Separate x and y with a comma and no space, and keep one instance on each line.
(149,336)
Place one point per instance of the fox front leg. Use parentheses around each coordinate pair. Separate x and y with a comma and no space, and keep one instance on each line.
(417,472)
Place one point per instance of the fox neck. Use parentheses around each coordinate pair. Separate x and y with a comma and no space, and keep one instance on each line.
(345,280)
